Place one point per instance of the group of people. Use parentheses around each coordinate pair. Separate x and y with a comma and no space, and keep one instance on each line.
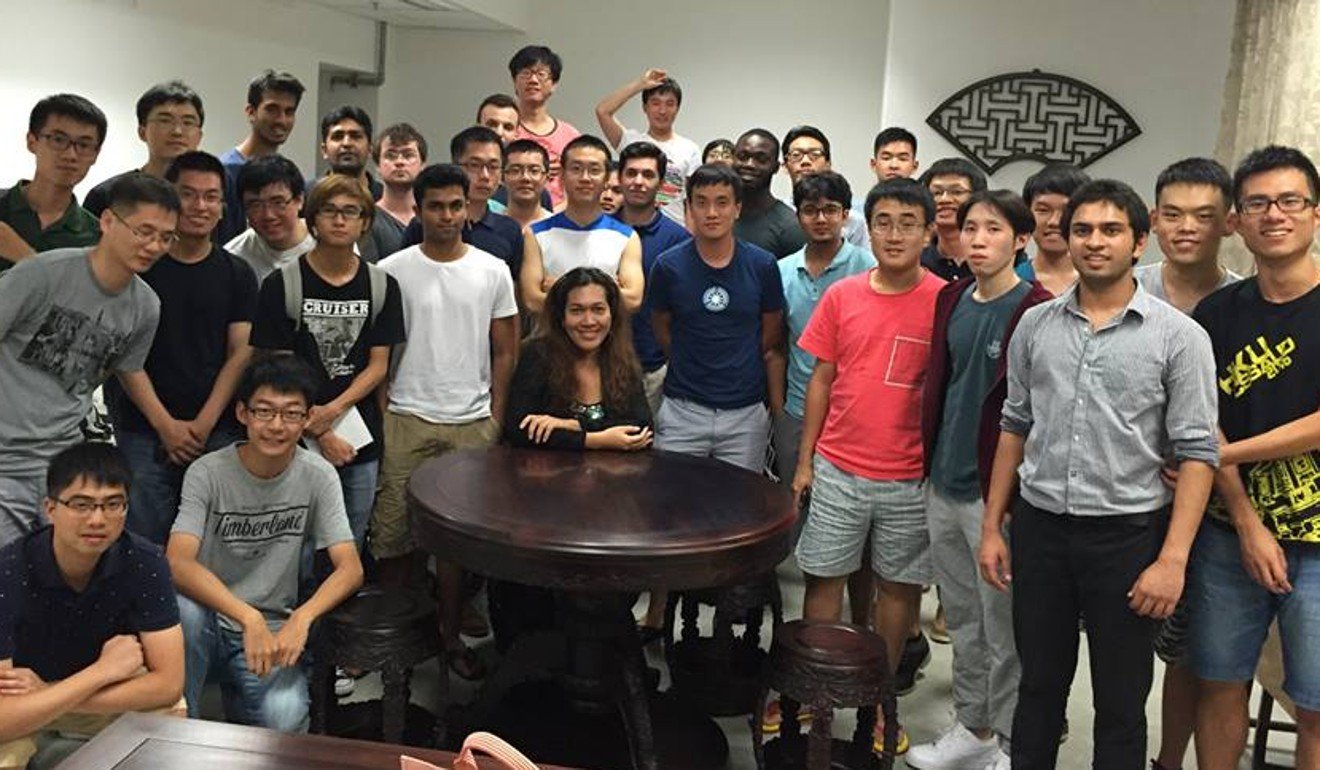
(1057,442)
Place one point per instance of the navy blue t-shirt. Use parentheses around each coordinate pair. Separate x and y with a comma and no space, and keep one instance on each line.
(658,236)
(715,332)
(48,627)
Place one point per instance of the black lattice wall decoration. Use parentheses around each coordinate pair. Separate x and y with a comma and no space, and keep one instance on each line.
(1033,116)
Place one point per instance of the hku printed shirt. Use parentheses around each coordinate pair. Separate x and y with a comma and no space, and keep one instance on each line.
(61,335)
(1267,359)
(252,529)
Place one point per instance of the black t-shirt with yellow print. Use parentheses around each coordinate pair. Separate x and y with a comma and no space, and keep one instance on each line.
(1267,359)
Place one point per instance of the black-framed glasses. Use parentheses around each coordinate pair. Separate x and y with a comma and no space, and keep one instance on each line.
(60,141)
(814,153)
(84,506)
(347,212)
(292,415)
(148,234)
(1288,203)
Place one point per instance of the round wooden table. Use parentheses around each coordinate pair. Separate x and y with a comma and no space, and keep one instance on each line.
(597,527)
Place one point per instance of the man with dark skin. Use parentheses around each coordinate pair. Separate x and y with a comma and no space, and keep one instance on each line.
(271,109)
(765,220)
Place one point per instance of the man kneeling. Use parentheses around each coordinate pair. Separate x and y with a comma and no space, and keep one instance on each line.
(89,627)
(245,512)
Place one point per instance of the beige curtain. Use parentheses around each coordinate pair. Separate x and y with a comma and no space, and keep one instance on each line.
(1272,94)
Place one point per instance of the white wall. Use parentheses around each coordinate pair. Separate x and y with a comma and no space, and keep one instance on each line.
(741,63)
(1162,60)
(110,51)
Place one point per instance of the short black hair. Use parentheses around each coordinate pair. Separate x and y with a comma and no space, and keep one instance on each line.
(528,145)
(471,135)
(1009,205)
(827,184)
(894,134)
(169,92)
(1196,171)
(267,170)
(811,132)
(195,160)
(128,191)
(586,141)
(956,167)
(532,55)
(95,461)
(666,86)
(503,101)
(764,133)
(279,82)
(69,106)
(716,144)
(439,175)
(909,192)
(1112,191)
(398,134)
(1054,179)
(1273,157)
(644,149)
(346,112)
(712,174)
(279,370)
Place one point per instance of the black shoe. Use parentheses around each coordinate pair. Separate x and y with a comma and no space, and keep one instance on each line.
(916,654)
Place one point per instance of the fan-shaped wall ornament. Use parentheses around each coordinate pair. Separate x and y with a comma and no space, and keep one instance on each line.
(1033,116)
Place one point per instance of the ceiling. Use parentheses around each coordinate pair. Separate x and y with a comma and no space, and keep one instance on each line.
(442,14)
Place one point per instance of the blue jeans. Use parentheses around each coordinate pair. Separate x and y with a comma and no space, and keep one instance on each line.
(278,701)
(153,499)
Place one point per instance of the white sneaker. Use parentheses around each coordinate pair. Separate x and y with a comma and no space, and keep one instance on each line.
(344,683)
(957,748)
(1002,762)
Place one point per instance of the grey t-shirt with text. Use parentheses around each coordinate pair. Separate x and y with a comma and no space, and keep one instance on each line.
(252,529)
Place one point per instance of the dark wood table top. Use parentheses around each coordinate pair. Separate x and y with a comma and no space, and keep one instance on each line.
(147,741)
(593,520)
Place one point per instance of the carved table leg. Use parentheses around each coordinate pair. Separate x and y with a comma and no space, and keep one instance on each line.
(636,710)
(394,700)
(322,691)
(819,742)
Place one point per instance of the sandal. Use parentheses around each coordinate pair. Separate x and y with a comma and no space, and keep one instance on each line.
(465,663)
(878,739)
(773,718)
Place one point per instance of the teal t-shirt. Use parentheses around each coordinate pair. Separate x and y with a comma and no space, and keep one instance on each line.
(975,338)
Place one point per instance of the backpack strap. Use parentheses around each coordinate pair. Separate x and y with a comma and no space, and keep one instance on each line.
(293,292)
(379,280)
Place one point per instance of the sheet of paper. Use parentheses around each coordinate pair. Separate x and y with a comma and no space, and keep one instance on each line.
(350,427)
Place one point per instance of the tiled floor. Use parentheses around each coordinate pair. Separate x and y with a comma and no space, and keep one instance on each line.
(924,712)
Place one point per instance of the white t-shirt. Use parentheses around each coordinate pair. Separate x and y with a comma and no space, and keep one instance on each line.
(682,157)
(265,260)
(442,373)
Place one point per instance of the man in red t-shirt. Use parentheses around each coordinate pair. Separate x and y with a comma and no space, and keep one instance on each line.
(860,454)
(535,70)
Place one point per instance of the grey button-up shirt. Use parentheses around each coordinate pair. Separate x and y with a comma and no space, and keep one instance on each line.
(1101,409)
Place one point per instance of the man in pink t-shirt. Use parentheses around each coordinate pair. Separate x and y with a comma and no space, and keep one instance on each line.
(535,70)
(860,455)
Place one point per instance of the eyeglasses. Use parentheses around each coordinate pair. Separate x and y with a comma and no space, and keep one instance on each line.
(830,210)
(1288,203)
(952,192)
(401,156)
(291,415)
(475,167)
(210,198)
(347,212)
(172,122)
(531,172)
(256,205)
(902,226)
(148,234)
(815,153)
(537,73)
(60,141)
(113,508)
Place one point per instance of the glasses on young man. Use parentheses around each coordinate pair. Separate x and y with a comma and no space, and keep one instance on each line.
(258,205)
(148,234)
(531,172)
(1288,203)
(952,192)
(60,141)
(829,211)
(114,507)
(292,415)
(347,212)
(172,122)
(900,226)
(794,156)
(475,167)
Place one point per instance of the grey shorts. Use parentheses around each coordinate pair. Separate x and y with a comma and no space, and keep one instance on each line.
(847,509)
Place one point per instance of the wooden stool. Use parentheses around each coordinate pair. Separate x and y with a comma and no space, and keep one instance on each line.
(721,674)
(375,630)
(1264,722)
(825,666)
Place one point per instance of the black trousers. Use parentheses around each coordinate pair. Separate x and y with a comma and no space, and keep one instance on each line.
(1066,568)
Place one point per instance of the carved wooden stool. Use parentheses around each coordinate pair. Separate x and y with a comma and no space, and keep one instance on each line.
(375,630)
(721,674)
(825,666)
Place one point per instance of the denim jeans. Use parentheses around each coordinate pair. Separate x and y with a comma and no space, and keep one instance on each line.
(278,701)
(153,499)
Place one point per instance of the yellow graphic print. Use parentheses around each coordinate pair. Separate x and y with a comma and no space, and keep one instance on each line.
(1285,492)
(1255,361)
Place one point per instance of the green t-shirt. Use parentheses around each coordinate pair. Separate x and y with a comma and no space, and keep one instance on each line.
(75,229)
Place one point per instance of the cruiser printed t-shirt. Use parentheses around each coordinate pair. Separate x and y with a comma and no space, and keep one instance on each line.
(253,529)
(61,334)
(335,337)
(1267,361)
